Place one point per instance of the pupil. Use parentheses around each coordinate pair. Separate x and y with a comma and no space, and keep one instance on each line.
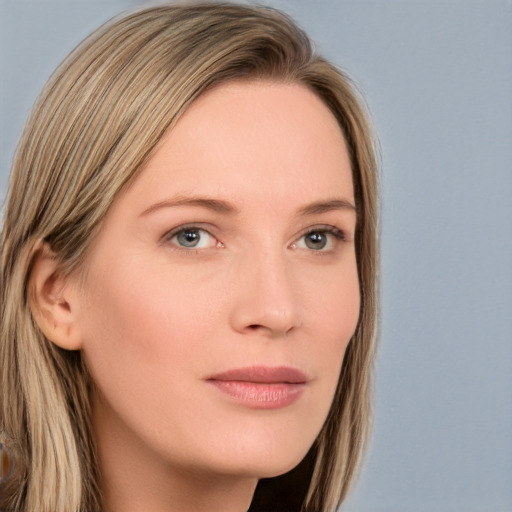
(189,238)
(316,240)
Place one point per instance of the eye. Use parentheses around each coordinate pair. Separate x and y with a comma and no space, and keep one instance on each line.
(193,238)
(320,239)
(316,240)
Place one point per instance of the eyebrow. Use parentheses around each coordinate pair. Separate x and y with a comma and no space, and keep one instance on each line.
(327,206)
(220,206)
(216,205)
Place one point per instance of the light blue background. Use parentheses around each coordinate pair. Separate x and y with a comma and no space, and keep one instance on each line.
(438,78)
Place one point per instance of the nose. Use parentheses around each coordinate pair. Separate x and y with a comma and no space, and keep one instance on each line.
(267,301)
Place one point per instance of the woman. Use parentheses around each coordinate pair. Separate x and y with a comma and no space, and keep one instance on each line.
(189,272)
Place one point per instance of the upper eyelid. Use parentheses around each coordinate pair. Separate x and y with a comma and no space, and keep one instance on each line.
(200,226)
(323,227)
(328,228)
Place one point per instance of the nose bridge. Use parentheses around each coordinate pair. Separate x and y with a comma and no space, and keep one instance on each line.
(268,298)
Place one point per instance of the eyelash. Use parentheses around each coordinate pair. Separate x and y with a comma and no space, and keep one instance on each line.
(168,237)
(335,232)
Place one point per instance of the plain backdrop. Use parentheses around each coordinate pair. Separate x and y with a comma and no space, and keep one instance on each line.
(438,79)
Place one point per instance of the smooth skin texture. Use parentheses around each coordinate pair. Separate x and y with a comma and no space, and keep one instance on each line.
(234,247)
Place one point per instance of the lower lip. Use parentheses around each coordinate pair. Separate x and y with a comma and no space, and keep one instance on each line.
(260,395)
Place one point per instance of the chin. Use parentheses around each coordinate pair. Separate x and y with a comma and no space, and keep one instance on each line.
(265,462)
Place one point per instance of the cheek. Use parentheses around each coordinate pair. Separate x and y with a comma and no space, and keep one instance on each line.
(341,309)
(146,311)
(332,315)
(147,331)
(142,337)
(334,304)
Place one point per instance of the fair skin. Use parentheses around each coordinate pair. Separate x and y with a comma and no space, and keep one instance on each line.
(232,249)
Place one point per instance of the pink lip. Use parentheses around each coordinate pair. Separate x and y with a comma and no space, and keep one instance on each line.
(261,387)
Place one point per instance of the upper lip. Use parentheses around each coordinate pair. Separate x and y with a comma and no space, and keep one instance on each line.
(263,374)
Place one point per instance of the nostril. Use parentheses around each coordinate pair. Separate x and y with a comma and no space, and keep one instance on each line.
(271,331)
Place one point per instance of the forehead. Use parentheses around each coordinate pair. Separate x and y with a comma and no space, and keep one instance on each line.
(245,139)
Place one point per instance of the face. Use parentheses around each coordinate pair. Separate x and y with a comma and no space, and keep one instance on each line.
(222,291)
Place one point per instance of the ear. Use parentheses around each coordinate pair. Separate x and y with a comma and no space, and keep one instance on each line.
(51,300)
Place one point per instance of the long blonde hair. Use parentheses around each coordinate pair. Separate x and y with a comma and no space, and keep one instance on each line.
(94,126)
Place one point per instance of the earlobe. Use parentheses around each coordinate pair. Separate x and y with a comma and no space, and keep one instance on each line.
(51,300)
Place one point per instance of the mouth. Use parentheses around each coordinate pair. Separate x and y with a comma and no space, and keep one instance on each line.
(261,387)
